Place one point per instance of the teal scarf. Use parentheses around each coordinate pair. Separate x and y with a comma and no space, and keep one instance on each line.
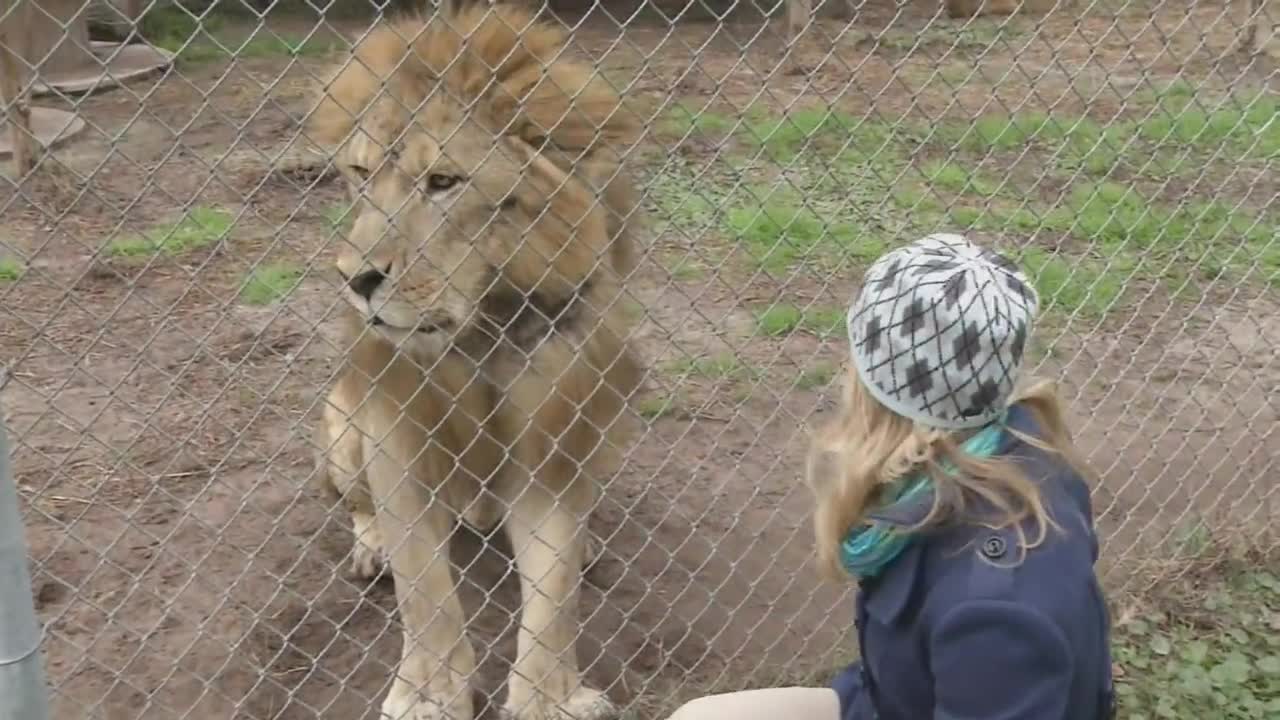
(870,547)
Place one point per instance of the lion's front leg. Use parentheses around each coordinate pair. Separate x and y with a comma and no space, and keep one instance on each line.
(436,658)
(548,537)
(342,476)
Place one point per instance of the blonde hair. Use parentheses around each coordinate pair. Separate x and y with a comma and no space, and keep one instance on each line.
(867,447)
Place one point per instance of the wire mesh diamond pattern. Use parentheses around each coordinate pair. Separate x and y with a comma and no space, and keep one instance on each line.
(180,250)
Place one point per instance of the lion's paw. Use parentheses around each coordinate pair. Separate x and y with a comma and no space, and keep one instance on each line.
(404,703)
(583,704)
(368,557)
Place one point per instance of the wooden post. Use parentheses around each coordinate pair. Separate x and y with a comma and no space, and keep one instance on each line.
(798,15)
(13,47)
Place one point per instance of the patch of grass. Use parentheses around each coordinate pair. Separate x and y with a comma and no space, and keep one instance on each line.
(780,233)
(1249,126)
(819,375)
(1121,217)
(683,266)
(781,319)
(1132,230)
(269,283)
(1177,92)
(1178,131)
(267,44)
(339,217)
(826,209)
(869,146)
(908,196)
(1173,666)
(687,117)
(998,132)
(1006,218)
(204,39)
(782,137)
(170,26)
(201,226)
(656,408)
(684,199)
(957,178)
(718,368)
(10,270)
(1073,286)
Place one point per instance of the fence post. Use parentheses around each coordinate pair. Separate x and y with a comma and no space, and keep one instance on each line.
(23,693)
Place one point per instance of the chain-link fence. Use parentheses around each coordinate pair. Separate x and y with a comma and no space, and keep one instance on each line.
(178,250)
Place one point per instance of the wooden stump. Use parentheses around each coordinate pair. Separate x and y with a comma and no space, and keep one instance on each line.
(13,75)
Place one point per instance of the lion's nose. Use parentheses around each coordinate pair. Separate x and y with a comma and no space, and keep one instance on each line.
(363,284)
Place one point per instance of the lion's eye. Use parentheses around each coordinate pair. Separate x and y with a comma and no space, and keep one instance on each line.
(359,171)
(437,182)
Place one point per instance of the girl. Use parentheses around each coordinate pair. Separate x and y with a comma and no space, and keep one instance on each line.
(957,504)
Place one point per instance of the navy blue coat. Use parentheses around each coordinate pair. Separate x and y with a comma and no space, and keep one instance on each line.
(957,629)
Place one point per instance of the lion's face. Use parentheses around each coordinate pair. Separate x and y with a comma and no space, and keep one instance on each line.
(435,215)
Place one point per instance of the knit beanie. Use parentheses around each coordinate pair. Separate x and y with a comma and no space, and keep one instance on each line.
(938,330)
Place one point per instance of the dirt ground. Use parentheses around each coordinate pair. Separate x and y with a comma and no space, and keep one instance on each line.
(182,566)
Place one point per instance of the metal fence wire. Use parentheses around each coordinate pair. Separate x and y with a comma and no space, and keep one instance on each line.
(178,249)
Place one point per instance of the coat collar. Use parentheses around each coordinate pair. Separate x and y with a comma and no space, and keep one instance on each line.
(887,596)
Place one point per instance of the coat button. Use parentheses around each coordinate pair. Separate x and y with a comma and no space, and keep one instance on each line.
(994,547)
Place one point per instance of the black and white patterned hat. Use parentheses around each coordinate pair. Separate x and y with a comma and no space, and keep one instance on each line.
(938,329)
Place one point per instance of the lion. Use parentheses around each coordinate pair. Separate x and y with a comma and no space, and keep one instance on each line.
(489,369)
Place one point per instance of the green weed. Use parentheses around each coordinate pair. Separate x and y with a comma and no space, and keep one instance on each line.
(871,143)
(1000,132)
(910,197)
(1005,218)
(959,179)
(819,375)
(687,117)
(1174,667)
(1073,286)
(268,44)
(1207,238)
(779,234)
(269,283)
(1120,217)
(10,270)
(201,226)
(656,408)
(1249,127)
(686,271)
(719,368)
(1173,138)
(198,40)
(683,200)
(780,320)
(170,27)
(339,217)
(783,137)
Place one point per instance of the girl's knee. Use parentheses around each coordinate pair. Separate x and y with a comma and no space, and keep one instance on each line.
(697,709)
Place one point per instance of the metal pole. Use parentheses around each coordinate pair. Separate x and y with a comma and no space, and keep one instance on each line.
(23,694)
